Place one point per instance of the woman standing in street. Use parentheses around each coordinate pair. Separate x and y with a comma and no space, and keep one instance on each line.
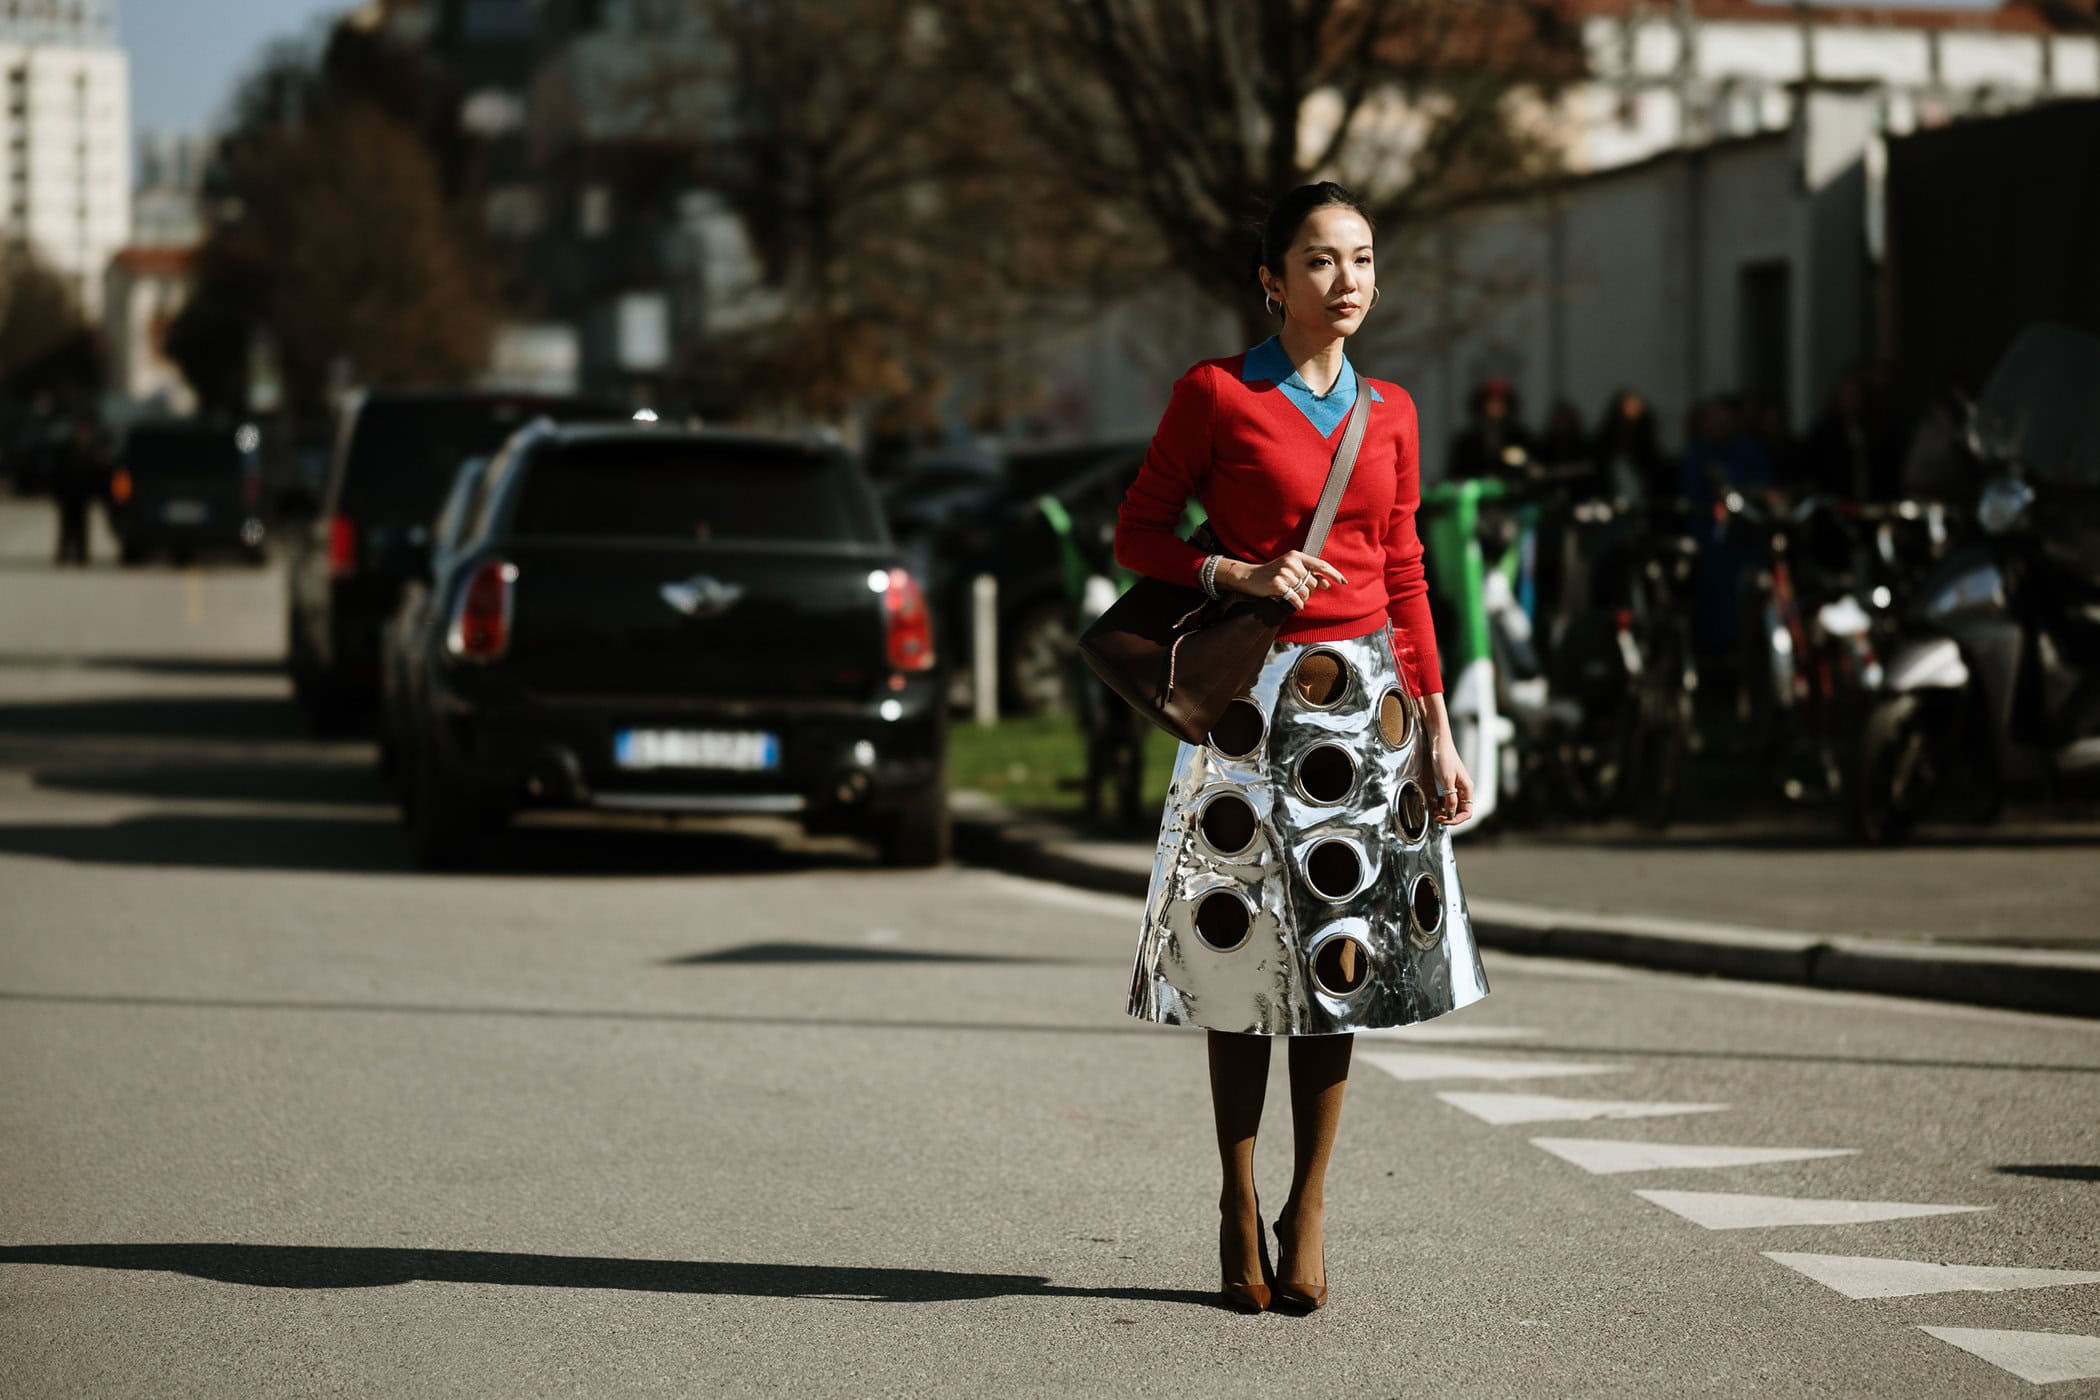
(1303,885)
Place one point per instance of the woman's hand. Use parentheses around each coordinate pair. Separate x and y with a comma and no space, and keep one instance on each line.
(1454,783)
(1292,577)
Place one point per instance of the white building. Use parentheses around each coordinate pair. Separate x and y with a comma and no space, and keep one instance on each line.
(65,138)
(145,289)
(1665,74)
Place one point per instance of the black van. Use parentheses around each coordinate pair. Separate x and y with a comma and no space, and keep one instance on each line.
(185,487)
(396,452)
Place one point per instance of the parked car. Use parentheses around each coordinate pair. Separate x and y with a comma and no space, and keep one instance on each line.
(672,621)
(395,454)
(186,487)
(970,512)
(399,678)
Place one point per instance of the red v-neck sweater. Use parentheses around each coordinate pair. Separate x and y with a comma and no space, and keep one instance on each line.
(1257,464)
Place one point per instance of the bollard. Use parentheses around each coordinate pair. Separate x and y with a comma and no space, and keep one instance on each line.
(984,649)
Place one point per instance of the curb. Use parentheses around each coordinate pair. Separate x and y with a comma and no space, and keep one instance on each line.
(2019,979)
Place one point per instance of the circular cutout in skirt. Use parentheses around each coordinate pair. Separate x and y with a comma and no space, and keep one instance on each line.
(1341,965)
(1334,869)
(1413,811)
(1223,918)
(1240,730)
(1395,719)
(1227,823)
(1326,773)
(1321,678)
(1425,909)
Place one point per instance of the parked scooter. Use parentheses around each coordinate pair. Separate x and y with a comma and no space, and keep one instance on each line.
(1995,679)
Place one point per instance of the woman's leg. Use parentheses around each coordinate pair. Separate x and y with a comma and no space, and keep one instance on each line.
(1319,1074)
(1239,1081)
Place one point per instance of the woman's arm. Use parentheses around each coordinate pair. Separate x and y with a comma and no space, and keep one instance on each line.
(1406,584)
(1174,469)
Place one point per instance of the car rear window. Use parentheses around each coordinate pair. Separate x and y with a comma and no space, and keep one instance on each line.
(694,492)
(405,453)
(185,453)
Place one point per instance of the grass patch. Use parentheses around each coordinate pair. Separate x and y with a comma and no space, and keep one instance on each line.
(1038,763)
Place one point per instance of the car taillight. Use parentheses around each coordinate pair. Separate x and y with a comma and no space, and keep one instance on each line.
(481,624)
(120,486)
(342,546)
(908,624)
(251,490)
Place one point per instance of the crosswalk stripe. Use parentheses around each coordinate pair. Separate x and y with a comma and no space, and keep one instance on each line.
(2040,1358)
(1499,1109)
(1859,1277)
(1606,1156)
(1437,1032)
(1422,1065)
(1729,1210)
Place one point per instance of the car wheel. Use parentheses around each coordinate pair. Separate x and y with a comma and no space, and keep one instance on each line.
(919,834)
(1039,661)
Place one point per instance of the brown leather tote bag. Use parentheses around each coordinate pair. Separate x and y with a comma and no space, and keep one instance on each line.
(1180,656)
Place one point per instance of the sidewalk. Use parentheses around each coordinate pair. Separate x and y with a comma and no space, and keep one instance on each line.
(2005,918)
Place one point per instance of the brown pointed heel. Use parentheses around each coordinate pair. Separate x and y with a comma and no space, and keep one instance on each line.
(1289,1293)
(1247,1297)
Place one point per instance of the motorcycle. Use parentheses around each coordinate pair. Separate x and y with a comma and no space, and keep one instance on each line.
(1994,681)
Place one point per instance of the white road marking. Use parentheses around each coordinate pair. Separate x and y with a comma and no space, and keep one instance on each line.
(1411,1065)
(1044,892)
(193,595)
(883,937)
(1859,1277)
(1438,1031)
(2040,1358)
(1606,1156)
(1729,1210)
(1500,1109)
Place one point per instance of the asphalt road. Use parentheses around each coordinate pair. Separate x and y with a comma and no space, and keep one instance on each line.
(639,1111)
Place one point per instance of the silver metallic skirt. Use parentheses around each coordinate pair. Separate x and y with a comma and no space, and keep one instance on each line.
(1301,886)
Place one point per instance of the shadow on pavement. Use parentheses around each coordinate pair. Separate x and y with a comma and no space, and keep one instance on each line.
(348,783)
(183,717)
(305,1266)
(376,845)
(778,953)
(2068,1171)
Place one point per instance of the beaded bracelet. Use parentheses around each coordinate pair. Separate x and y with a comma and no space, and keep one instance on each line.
(1209,574)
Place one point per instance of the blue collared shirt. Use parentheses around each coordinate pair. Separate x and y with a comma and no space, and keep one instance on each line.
(1266,363)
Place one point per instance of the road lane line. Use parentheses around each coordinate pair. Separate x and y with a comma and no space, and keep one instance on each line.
(1609,1156)
(1729,1210)
(193,596)
(1414,1065)
(1501,1109)
(2040,1358)
(1859,1277)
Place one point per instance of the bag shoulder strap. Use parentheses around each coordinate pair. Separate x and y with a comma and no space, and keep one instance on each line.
(1338,474)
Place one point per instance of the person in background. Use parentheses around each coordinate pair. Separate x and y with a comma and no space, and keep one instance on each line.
(78,476)
(1628,461)
(1493,439)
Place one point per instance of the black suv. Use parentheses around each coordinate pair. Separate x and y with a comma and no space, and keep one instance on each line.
(669,621)
(396,452)
(187,486)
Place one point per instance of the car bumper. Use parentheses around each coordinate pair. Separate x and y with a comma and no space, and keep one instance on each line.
(838,762)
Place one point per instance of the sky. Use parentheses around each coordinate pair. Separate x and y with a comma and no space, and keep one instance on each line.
(186,55)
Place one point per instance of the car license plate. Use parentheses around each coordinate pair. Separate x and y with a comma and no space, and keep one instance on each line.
(185,512)
(734,750)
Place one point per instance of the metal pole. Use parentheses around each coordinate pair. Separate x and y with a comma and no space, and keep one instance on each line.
(984,649)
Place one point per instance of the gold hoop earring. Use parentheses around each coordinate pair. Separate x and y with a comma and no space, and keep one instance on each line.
(1269,302)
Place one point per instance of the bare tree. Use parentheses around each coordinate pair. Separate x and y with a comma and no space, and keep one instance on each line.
(1179,118)
(45,341)
(337,236)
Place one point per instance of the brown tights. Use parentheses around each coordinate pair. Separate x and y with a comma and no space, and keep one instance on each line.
(1239,1083)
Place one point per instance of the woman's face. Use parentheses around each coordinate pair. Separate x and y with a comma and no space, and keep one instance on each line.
(1328,276)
